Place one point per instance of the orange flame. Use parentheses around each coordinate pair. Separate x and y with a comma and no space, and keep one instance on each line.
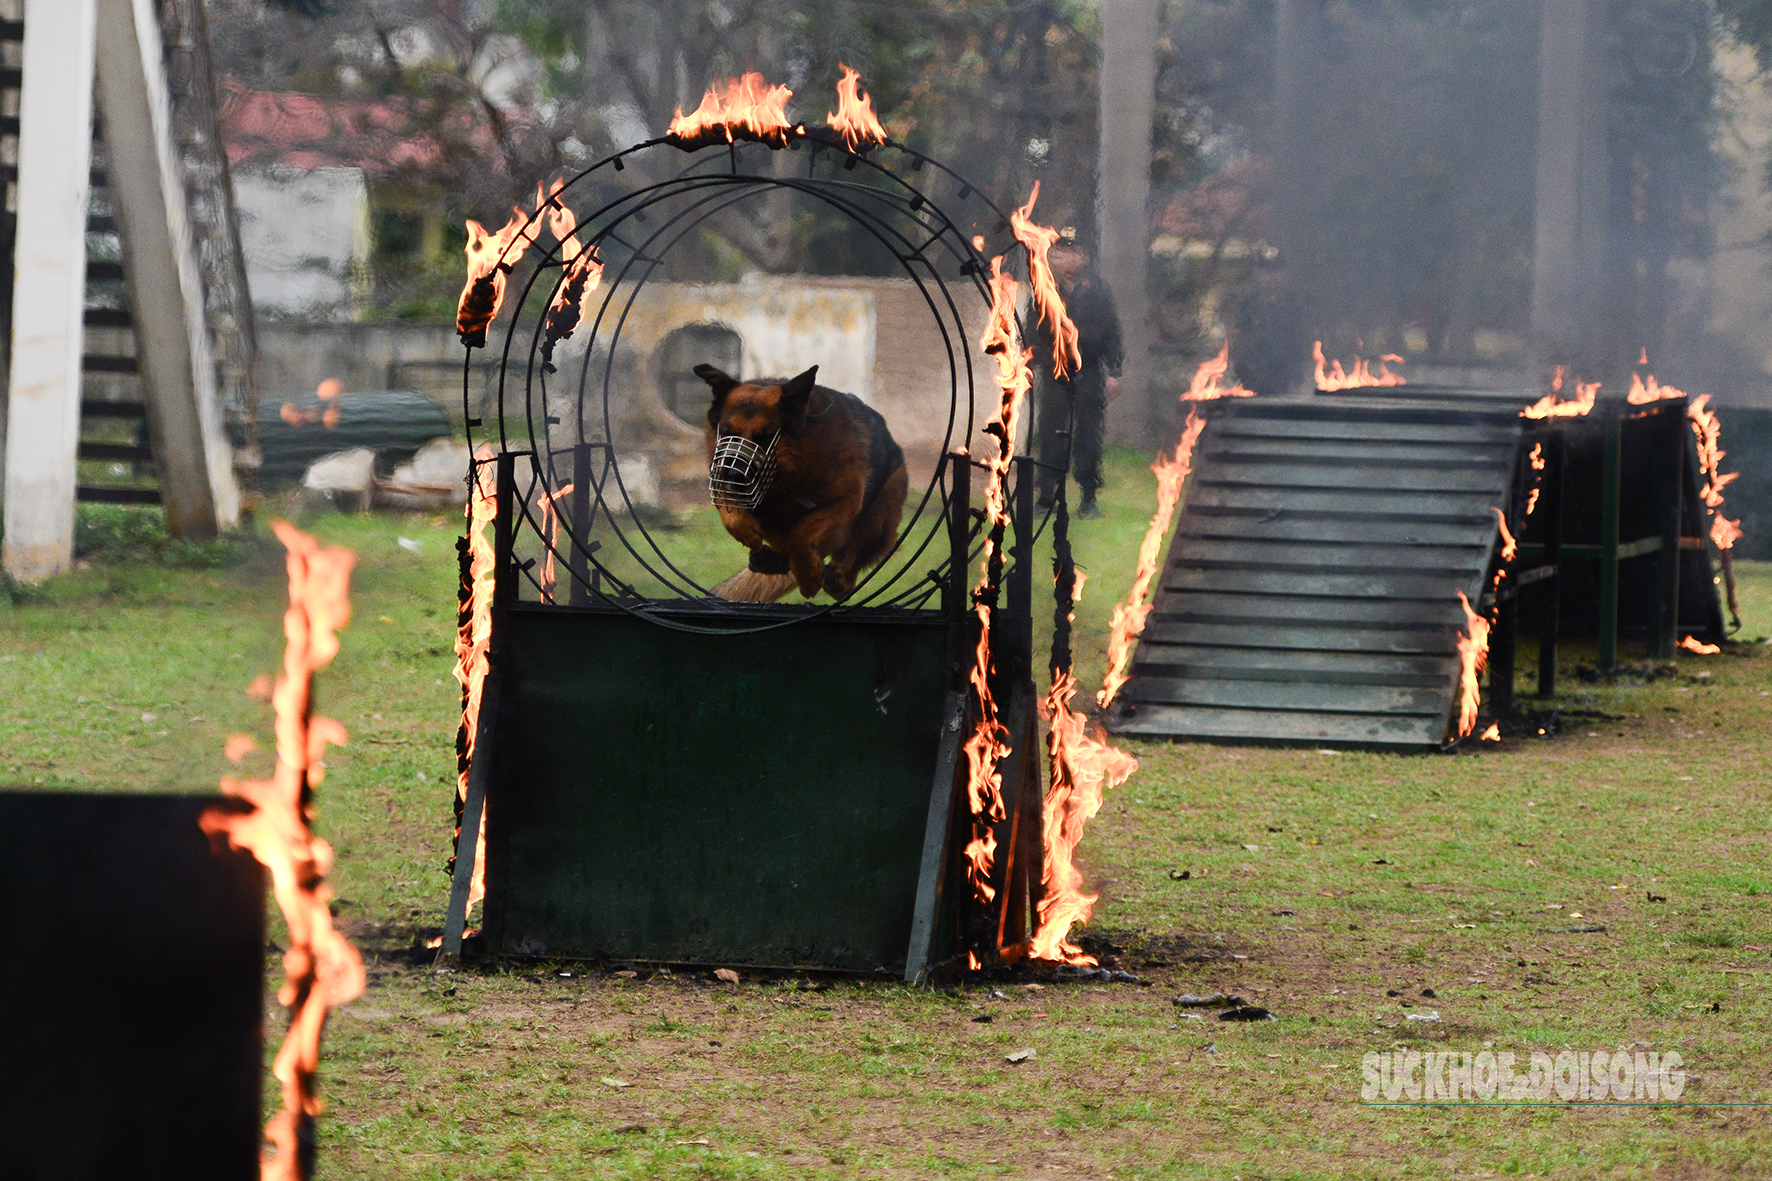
(1691,644)
(550,528)
(1493,733)
(985,749)
(473,635)
(1724,533)
(490,258)
(746,106)
(581,267)
(854,118)
(1067,355)
(1537,460)
(1508,547)
(1641,393)
(1205,386)
(1084,767)
(1129,615)
(1549,406)
(1331,376)
(1473,653)
(988,743)
(326,414)
(322,969)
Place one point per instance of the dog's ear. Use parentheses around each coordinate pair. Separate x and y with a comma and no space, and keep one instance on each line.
(796,392)
(721,383)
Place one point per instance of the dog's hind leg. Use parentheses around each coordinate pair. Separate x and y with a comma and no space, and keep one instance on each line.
(875,533)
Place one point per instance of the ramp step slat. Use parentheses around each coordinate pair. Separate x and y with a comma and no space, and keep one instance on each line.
(1263,725)
(1366,411)
(1434,611)
(1369,431)
(1268,664)
(1235,526)
(1230,692)
(1328,555)
(1267,448)
(1366,479)
(1346,503)
(1358,586)
(1290,641)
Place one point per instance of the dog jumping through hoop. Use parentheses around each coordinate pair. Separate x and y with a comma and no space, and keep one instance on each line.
(809,479)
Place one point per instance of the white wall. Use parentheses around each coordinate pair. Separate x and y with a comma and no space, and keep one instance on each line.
(306,238)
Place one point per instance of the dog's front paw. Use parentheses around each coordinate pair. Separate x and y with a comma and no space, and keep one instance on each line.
(837,582)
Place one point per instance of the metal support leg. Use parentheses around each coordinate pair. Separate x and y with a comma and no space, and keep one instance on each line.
(1664,614)
(1551,622)
(1609,489)
(579,527)
(1501,655)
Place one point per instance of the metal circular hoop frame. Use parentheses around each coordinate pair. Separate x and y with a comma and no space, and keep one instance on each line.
(891,210)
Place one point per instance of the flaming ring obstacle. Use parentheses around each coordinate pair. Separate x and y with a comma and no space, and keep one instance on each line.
(671,777)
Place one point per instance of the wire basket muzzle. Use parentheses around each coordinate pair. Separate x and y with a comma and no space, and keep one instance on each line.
(741,470)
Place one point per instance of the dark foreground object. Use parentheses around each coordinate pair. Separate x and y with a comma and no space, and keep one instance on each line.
(132,986)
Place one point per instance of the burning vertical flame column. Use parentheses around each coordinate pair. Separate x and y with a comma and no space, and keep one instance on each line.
(1083,763)
(473,636)
(1473,654)
(1067,354)
(322,969)
(854,117)
(1723,532)
(1129,615)
(1085,766)
(988,743)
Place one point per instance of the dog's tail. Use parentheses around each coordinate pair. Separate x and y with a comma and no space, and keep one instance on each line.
(748,586)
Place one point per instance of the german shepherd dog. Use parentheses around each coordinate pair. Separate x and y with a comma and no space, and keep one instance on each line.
(801,474)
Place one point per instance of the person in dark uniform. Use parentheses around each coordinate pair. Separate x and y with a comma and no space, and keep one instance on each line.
(1077,404)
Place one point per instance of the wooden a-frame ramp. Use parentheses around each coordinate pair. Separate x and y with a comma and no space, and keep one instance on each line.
(1311,592)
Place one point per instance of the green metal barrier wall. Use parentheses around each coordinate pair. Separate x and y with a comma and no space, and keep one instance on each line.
(753,799)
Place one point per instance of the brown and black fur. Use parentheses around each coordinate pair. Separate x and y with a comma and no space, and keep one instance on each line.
(833,508)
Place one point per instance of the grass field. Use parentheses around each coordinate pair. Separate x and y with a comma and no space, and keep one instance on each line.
(1332,888)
